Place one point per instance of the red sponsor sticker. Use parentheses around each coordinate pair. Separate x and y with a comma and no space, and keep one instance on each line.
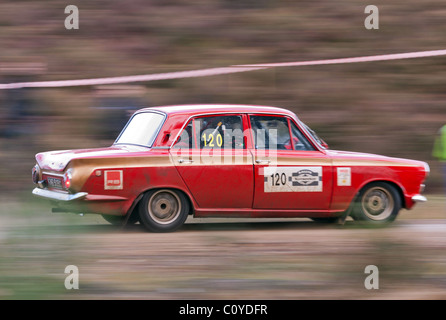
(113,179)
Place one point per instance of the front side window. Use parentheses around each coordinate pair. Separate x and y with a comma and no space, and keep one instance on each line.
(299,140)
(270,133)
(142,129)
(274,133)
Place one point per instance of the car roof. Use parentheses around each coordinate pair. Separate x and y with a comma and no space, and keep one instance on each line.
(193,109)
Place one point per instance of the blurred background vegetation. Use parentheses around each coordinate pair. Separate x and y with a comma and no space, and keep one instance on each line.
(393,108)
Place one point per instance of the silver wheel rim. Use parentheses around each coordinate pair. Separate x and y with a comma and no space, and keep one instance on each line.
(164,206)
(377,203)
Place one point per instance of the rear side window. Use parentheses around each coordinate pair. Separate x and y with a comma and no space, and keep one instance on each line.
(213,132)
(220,132)
(186,137)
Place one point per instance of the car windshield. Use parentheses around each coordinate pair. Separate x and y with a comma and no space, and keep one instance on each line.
(142,129)
(315,136)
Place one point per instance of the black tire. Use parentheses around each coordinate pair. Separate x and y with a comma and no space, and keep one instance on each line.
(326,220)
(377,203)
(163,210)
(119,220)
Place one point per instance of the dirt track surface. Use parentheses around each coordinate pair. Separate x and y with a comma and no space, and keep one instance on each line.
(223,259)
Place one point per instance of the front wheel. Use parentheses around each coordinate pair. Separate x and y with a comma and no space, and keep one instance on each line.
(378,202)
(163,210)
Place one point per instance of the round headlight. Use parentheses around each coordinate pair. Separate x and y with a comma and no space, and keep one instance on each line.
(427,169)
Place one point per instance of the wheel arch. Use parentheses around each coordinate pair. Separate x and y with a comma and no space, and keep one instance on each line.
(141,195)
(394,184)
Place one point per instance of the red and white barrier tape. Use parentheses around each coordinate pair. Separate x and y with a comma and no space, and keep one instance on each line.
(384,57)
(215,71)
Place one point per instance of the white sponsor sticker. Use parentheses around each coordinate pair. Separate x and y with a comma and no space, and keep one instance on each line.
(292,179)
(344,176)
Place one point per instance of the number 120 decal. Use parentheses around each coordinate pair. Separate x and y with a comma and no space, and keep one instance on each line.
(292,179)
(209,140)
(278,179)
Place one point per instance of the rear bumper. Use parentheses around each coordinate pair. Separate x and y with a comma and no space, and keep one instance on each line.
(83,202)
(54,195)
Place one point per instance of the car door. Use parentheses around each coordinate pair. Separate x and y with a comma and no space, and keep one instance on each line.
(289,171)
(212,158)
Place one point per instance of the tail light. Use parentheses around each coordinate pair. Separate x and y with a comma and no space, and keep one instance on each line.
(67,179)
(36,173)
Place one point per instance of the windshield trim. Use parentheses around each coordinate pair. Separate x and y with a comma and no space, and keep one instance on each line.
(157,131)
(313,135)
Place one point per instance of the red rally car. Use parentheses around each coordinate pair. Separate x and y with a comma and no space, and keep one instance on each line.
(225,161)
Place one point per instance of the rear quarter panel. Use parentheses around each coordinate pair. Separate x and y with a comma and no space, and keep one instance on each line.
(140,172)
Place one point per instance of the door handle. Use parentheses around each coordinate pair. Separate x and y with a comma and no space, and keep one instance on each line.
(263,161)
(185,161)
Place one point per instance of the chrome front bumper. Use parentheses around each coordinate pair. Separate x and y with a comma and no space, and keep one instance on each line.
(419,198)
(53,195)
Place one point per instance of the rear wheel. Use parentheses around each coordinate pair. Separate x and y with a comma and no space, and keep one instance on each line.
(163,210)
(378,202)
